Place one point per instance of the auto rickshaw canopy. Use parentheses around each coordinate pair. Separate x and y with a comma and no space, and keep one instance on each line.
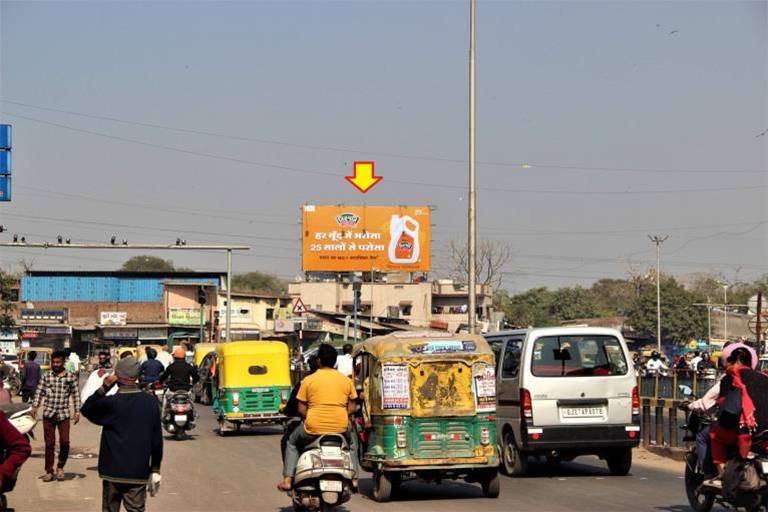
(253,364)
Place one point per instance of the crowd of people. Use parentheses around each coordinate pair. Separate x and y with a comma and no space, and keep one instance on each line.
(685,365)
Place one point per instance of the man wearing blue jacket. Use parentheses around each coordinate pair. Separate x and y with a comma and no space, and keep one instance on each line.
(131,439)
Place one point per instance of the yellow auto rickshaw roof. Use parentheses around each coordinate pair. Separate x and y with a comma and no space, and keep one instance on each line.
(36,349)
(422,344)
(234,348)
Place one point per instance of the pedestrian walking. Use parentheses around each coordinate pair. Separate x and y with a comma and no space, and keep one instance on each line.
(131,439)
(14,451)
(30,377)
(56,391)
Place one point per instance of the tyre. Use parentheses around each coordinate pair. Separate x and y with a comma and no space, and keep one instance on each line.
(699,502)
(513,462)
(179,435)
(223,428)
(492,486)
(619,461)
(382,487)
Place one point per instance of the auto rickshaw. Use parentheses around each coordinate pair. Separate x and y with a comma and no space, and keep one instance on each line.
(429,410)
(252,381)
(122,350)
(43,357)
(202,350)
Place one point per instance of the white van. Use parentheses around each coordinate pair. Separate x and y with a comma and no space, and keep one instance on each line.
(564,392)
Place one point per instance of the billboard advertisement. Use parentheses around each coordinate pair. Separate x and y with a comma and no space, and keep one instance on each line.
(366,238)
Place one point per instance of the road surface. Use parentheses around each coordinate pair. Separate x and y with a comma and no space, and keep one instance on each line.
(239,473)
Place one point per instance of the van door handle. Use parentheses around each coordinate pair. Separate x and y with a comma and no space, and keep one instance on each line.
(575,402)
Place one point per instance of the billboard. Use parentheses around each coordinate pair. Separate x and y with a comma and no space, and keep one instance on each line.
(366,238)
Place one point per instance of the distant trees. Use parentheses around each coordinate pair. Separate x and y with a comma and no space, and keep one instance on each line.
(681,321)
(146,263)
(489,267)
(259,282)
(7,302)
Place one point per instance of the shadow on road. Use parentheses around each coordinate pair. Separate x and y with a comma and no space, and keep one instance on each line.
(251,432)
(417,490)
(566,469)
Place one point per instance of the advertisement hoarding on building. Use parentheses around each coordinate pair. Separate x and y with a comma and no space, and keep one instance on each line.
(113,318)
(366,238)
(184,316)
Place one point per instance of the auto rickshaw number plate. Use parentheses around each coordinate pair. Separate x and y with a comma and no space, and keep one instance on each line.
(330,485)
(259,390)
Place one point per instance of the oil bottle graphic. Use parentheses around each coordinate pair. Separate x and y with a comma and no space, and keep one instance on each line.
(404,239)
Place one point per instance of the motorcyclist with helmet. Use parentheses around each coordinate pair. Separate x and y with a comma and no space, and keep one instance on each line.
(655,365)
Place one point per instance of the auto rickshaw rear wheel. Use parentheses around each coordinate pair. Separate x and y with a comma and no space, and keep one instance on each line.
(491,485)
(382,486)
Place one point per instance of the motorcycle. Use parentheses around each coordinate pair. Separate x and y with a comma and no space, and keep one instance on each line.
(751,492)
(20,416)
(180,415)
(324,475)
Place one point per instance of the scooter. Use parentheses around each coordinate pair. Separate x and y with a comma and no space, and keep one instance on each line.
(324,475)
(20,416)
(180,415)
(751,493)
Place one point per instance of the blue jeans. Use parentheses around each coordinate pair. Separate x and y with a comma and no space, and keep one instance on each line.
(299,439)
(702,450)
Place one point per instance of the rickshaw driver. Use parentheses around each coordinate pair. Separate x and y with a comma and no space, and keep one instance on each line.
(326,399)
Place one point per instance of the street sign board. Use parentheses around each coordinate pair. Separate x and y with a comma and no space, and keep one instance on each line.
(5,188)
(298,307)
(366,238)
(5,162)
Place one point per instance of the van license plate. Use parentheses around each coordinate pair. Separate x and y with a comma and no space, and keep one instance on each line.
(330,485)
(582,412)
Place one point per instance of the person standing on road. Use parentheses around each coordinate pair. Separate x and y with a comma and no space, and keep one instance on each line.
(131,447)
(104,361)
(14,451)
(30,377)
(57,389)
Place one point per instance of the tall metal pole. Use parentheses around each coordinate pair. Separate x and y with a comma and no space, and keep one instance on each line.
(658,241)
(472,213)
(759,322)
(229,295)
(725,312)
(709,322)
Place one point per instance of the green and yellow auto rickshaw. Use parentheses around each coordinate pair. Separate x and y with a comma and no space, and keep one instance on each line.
(252,382)
(429,410)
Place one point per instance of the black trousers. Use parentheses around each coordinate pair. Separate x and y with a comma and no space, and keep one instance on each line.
(132,496)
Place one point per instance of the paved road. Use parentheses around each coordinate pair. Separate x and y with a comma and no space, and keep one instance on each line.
(239,473)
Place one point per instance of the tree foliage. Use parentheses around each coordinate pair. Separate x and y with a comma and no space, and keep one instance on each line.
(571,303)
(259,282)
(7,304)
(681,321)
(146,263)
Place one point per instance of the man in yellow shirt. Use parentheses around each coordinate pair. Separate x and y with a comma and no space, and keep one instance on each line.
(326,399)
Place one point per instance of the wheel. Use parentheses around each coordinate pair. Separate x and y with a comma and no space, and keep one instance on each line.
(382,487)
(223,427)
(513,462)
(492,486)
(699,502)
(179,435)
(619,461)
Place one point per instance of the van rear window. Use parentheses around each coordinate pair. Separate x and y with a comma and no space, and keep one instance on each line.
(578,356)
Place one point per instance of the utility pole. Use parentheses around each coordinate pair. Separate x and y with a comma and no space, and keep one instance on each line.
(658,241)
(759,322)
(708,305)
(725,310)
(229,295)
(472,213)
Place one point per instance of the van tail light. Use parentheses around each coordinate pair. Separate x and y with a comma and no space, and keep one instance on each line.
(485,436)
(401,439)
(235,399)
(635,402)
(526,406)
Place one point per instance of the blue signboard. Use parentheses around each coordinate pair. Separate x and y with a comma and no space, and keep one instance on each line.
(5,136)
(5,188)
(5,162)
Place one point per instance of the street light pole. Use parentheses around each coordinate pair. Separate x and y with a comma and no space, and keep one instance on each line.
(725,311)
(229,295)
(658,241)
(472,213)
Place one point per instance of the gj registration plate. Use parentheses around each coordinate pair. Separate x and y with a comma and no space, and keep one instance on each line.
(582,412)
(330,485)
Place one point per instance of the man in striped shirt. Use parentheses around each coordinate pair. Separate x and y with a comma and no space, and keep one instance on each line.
(56,390)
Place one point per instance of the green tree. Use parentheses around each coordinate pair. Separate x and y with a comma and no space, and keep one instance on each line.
(259,282)
(146,263)
(571,303)
(681,321)
(530,308)
(612,296)
(7,302)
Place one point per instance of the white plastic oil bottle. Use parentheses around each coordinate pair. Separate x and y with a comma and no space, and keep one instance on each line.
(404,239)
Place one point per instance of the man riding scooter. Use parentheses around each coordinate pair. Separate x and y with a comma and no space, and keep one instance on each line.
(325,400)
(179,376)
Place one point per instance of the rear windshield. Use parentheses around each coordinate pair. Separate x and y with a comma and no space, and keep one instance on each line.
(578,356)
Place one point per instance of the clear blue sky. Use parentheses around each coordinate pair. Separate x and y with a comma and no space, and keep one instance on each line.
(606,102)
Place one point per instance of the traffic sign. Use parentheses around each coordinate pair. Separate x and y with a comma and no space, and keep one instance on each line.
(298,307)
(5,188)
(752,324)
